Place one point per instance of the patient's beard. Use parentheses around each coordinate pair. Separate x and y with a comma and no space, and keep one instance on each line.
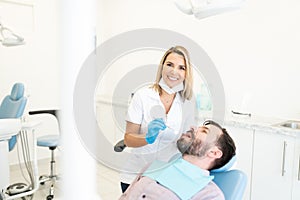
(183,145)
(188,145)
(192,147)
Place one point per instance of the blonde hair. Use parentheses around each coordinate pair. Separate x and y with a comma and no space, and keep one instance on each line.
(187,91)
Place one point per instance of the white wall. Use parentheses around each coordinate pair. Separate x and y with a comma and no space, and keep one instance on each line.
(255,49)
(36,63)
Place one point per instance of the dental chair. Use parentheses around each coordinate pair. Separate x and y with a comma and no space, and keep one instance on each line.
(13,106)
(51,142)
(232,182)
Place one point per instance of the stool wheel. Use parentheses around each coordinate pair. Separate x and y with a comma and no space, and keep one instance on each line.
(41,178)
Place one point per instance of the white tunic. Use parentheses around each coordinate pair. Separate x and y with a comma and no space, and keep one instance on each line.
(178,120)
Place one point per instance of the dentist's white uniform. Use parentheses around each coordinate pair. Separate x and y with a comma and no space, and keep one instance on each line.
(178,120)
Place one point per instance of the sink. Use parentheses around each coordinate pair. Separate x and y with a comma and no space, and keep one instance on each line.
(290,124)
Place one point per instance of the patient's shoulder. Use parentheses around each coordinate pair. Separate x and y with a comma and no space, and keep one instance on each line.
(147,188)
(211,191)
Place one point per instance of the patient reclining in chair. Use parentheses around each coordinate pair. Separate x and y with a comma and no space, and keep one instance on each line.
(204,148)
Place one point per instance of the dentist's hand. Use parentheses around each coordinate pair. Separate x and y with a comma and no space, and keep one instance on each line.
(153,129)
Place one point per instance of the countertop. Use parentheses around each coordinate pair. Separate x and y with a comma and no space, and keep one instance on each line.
(260,123)
(255,122)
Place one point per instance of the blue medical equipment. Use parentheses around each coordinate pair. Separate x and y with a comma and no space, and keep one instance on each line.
(52,142)
(13,106)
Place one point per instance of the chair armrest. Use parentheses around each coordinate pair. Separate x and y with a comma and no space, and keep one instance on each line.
(50,111)
(53,112)
(120,146)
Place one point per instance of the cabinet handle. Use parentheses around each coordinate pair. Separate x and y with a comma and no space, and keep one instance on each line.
(283,158)
(299,169)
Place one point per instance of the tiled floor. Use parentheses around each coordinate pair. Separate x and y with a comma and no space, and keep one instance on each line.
(107,179)
(108,184)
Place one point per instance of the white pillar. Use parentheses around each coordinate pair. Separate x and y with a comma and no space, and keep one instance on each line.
(78,21)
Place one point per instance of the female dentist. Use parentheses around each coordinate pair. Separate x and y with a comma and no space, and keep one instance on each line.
(159,113)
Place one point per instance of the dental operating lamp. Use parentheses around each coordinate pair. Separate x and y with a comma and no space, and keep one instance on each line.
(206,8)
(8,38)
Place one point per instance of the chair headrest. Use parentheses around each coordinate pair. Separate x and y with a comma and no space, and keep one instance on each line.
(227,166)
(17,91)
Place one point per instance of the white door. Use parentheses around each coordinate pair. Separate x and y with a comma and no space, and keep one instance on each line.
(296,175)
(272,166)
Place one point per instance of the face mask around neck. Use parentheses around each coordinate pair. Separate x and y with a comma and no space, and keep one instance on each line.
(169,90)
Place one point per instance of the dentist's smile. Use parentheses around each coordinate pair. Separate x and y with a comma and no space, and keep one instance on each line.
(174,70)
(172,78)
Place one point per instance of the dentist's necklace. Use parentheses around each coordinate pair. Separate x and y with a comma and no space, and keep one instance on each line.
(167,100)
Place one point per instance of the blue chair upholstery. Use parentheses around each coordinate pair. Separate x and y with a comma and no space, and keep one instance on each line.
(227,166)
(13,106)
(232,183)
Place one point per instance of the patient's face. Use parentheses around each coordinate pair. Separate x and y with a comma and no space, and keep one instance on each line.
(198,141)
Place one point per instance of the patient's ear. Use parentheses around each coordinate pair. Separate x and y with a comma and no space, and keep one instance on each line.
(215,152)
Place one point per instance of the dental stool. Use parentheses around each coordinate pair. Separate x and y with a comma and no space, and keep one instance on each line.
(51,142)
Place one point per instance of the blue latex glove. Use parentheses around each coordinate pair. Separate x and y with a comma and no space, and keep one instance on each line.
(154,127)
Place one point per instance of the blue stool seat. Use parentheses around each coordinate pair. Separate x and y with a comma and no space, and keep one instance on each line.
(48,141)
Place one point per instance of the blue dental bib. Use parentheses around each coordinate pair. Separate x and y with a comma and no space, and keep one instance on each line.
(180,176)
